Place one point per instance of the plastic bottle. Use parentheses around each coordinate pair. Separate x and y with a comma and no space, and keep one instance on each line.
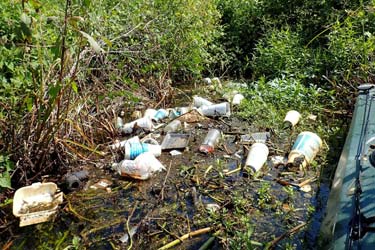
(173,126)
(210,141)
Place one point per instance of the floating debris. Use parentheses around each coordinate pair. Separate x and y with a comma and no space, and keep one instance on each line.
(36,203)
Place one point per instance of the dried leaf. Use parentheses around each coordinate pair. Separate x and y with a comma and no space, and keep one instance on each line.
(96,47)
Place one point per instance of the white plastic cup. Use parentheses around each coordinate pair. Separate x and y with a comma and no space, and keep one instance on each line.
(183,110)
(160,115)
(292,117)
(121,144)
(134,149)
(150,113)
(257,156)
(173,113)
(307,144)
(221,109)
(200,101)
(144,123)
(173,126)
(207,80)
(237,98)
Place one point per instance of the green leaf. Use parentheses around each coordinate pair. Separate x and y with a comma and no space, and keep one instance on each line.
(5,180)
(53,91)
(74,87)
(96,47)
(29,103)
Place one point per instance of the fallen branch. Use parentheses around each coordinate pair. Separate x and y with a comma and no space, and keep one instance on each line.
(273,243)
(186,236)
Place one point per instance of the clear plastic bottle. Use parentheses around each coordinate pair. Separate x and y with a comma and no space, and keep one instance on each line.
(210,141)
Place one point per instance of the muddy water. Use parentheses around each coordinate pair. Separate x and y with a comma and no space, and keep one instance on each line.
(179,200)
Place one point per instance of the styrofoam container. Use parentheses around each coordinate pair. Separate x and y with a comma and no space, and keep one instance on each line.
(257,156)
(36,203)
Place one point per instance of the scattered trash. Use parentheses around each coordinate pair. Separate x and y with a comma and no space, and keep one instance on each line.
(207,80)
(304,149)
(312,117)
(150,113)
(237,99)
(291,118)
(192,116)
(261,137)
(119,122)
(210,141)
(278,160)
(306,188)
(221,109)
(175,141)
(183,110)
(200,101)
(102,184)
(121,144)
(73,180)
(136,114)
(133,149)
(36,203)
(141,168)
(173,113)
(160,115)
(175,152)
(257,156)
(144,123)
(173,126)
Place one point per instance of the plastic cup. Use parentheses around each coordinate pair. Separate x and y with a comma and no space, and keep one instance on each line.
(160,115)
(132,150)
(292,117)
(257,156)
(199,102)
(173,126)
(144,123)
(237,99)
(209,142)
(221,109)
(150,113)
(307,144)
(183,110)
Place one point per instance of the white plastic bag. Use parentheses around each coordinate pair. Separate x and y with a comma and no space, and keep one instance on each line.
(141,168)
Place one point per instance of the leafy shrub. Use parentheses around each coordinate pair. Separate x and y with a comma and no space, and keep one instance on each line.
(351,47)
(267,101)
(282,53)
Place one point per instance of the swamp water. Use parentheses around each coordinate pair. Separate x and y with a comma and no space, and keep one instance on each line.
(197,191)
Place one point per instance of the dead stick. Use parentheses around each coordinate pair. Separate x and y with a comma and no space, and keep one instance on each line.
(165,180)
(186,236)
(291,231)
(305,182)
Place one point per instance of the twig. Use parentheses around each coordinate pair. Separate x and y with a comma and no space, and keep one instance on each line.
(165,181)
(186,236)
(127,225)
(291,231)
(305,182)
